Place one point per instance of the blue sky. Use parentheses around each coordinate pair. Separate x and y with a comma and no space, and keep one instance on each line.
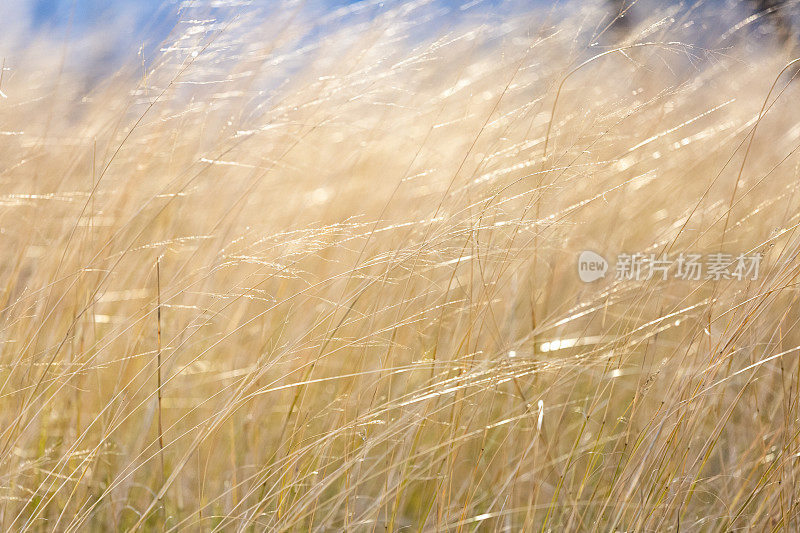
(113,30)
(128,22)
(128,25)
(87,12)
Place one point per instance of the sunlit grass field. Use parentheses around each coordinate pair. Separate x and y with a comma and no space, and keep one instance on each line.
(295,270)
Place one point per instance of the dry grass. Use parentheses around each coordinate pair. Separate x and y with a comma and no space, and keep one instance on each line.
(365,228)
